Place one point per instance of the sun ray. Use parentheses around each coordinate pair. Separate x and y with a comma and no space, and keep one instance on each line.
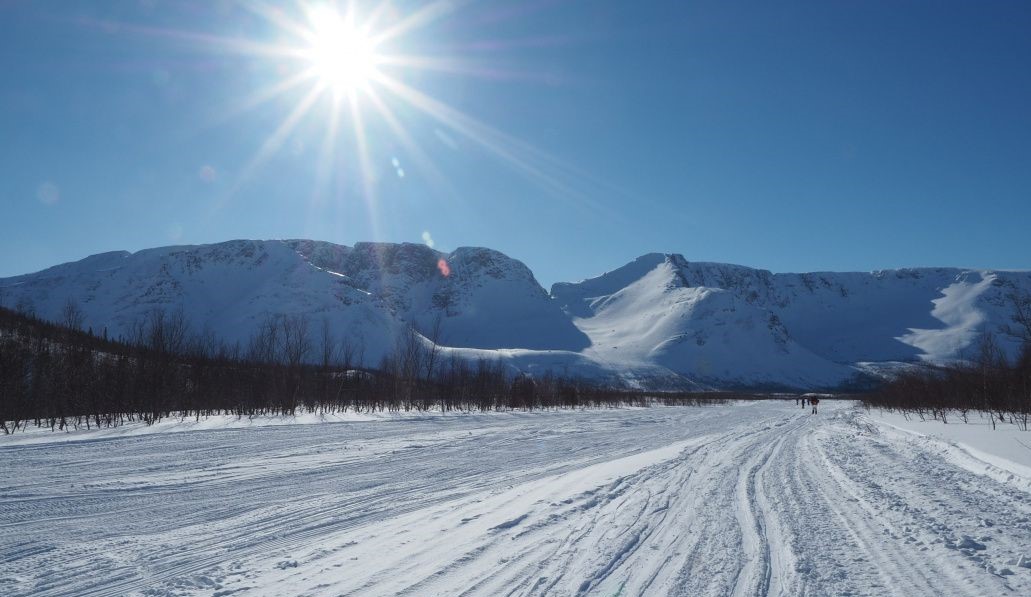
(424,16)
(357,64)
(276,17)
(259,98)
(516,153)
(421,159)
(275,140)
(372,21)
(324,187)
(327,154)
(461,67)
(526,157)
(365,167)
(193,38)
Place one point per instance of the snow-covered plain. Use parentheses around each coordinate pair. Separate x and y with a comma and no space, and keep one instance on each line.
(744,499)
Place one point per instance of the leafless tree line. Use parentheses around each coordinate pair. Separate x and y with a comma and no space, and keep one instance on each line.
(57,375)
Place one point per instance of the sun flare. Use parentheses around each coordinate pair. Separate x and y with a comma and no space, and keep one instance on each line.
(342,55)
(352,69)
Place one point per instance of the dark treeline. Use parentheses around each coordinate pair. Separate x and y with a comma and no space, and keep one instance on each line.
(57,375)
(988,383)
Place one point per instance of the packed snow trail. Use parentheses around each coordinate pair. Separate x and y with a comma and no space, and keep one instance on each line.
(746,499)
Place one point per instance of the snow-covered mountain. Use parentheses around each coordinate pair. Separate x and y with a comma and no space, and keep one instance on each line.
(646,312)
(659,321)
(366,292)
(731,324)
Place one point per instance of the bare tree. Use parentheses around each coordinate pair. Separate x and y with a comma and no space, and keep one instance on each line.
(1020,302)
(405,363)
(328,346)
(25,306)
(264,344)
(348,352)
(161,331)
(206,343)
(433,351)
(71,315)
(295,338)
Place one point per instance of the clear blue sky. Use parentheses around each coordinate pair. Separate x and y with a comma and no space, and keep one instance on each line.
(574,135)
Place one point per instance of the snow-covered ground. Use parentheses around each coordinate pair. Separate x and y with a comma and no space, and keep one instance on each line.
(1003,451)
(746,499)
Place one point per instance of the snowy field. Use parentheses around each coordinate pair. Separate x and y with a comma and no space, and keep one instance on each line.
(749,499)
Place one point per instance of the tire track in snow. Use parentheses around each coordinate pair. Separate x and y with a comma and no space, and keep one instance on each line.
(772,502)
(755,516)
(917,504)
(608,507)
(283,528)
(754,576)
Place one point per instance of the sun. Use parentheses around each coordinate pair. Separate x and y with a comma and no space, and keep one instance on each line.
(342,55)
(349,63)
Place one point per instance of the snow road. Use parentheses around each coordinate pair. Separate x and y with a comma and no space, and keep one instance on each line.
(749,499)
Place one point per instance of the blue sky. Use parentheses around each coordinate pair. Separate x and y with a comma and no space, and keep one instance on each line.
(573,135)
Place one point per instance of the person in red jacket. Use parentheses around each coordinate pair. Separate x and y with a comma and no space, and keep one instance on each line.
(814,401)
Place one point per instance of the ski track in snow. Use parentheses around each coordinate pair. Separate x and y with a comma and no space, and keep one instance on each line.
(748,499)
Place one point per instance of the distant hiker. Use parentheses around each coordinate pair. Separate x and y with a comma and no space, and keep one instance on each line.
(796,400)
(803,402)
(814,402)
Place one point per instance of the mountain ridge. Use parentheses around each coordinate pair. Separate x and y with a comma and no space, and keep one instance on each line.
(657,321)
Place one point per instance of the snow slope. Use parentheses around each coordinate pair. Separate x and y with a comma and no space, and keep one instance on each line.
(703,332)
(730,324)
(228,288)
(746,499)
(487,300)
(657,322)
(366,293)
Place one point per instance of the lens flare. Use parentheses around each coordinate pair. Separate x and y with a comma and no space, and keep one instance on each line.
(361,60)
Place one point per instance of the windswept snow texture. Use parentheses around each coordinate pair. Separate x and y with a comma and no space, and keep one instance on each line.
(749,499)
(657,322)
